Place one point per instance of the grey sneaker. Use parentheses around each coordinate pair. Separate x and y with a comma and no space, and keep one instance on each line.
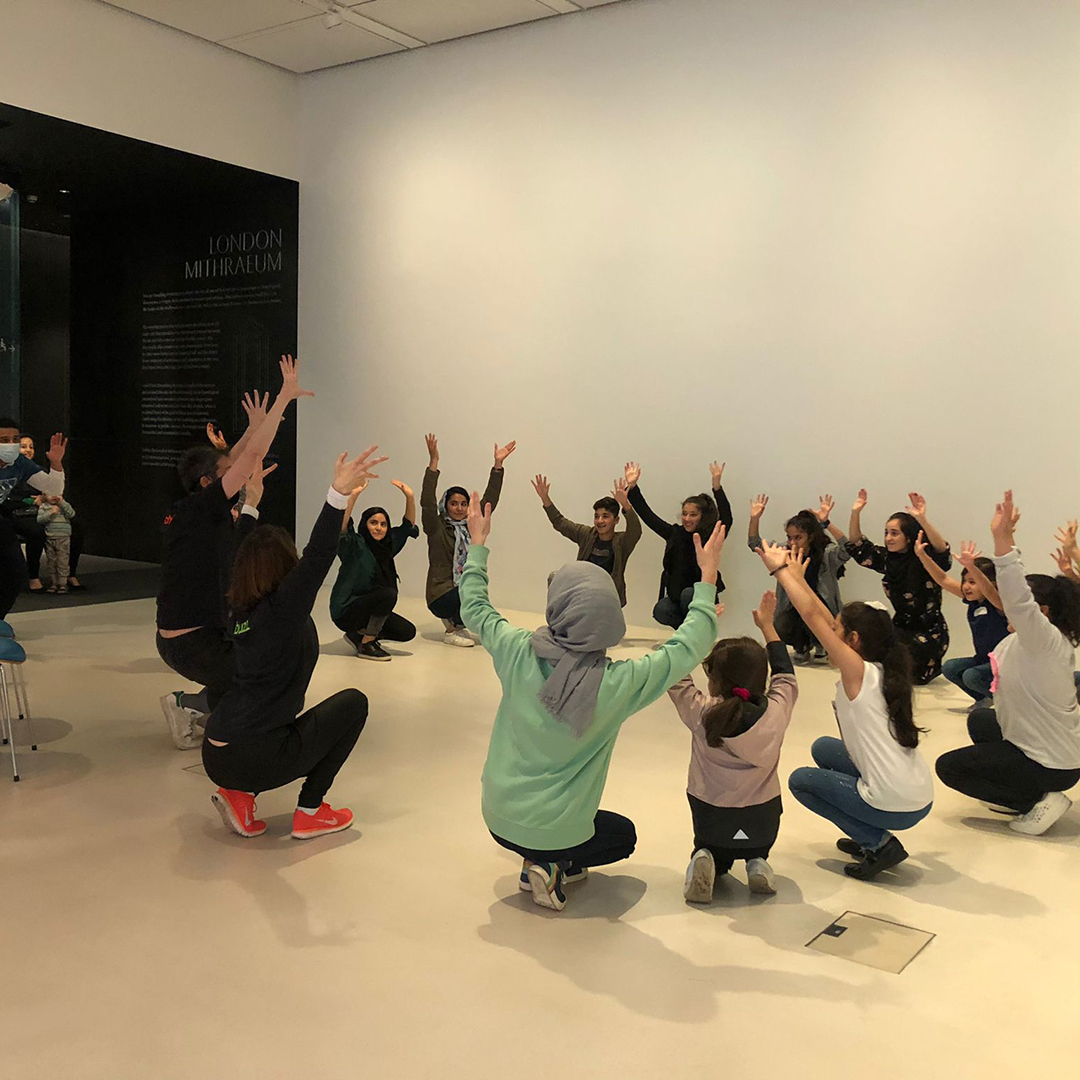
(459,638)
(760,877)
(1042,815)
(181,721)
(700,878)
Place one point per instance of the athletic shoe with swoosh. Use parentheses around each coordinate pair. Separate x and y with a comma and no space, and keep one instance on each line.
(237,810)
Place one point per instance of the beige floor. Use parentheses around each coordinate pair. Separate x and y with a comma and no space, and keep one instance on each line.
(139,939)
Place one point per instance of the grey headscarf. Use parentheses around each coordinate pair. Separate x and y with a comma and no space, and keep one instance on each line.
(584,619)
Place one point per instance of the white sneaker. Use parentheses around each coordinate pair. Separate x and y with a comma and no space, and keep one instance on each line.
(760,877)
(801,656)
(1042,815)
(458,638)
(700,878)
(448,625)
(181,721)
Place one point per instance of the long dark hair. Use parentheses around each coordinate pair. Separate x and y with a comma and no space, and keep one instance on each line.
(1062,598)
(908,526)
(879,644)
(817,538)
(709,514)
(262,563)
(734,662)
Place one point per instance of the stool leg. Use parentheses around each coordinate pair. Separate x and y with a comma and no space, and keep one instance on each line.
(7,720)
(23,705)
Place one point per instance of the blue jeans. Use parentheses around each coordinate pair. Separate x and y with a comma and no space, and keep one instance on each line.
(669,613)
(830,790)
(970,674)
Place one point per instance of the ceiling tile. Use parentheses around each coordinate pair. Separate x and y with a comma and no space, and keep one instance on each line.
(440,20)
(217,19)
(309,45)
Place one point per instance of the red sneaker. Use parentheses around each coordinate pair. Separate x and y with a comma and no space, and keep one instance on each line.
(237,810)
(325,820)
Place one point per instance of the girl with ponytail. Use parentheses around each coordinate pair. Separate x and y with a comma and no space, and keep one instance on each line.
(738,728)
(871,781)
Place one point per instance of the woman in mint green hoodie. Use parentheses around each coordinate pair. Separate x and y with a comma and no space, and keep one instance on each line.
(563,704)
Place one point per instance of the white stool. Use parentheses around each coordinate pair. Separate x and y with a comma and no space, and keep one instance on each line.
(12,658)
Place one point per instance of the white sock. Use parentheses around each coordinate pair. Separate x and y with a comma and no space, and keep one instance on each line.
(305,810)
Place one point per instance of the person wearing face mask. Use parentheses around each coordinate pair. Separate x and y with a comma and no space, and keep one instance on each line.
(913,593)
(16,469)
(806,535)
(699,514)
(600,543)
(447,532)
(366,591)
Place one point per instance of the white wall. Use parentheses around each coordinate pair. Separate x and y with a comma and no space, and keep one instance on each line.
(86,61)
(835,244)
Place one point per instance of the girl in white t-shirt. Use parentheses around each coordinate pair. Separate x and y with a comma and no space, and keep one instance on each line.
(872,780)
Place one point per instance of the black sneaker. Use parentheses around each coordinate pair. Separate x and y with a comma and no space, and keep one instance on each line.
(849,847)
(355,640)
(372,650)
(891,854)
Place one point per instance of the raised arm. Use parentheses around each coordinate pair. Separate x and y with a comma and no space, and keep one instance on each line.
(258,446)
(51,482)
(410,500)
(429,509)
(350,506)
(968,554)
(757,511)
(824,516)
(256,406)
(662,528)
(917,510)
(855,533)
(723,503)
(949,584)
(632,533)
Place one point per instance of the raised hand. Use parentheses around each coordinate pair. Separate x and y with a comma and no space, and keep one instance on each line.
(403,488)
(1003,523)
(719,610)
(824,513)
(542,488)
(290,380)
(632,473)
(479,520)
(217,440)
(920,544)
(860,502)
(774,556)
(968,554)
(433,452)
(1064,562)
(765,612)
(1066,537)
(757,506)
(350,474)
(717,470)
(797,563)
(253,486)
(708,554)
(620,493)
(256,407)
(503,452)
(358,490)
(917,505)
(56,451)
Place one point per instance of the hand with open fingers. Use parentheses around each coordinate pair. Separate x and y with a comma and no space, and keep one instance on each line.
(1064,561)
(620,493)
(256,407)
(1066,537)
(765,612)
(57,450)
(920,544)
(348,475)
(757,506)
(708,554)
(503,452)
(358,490)
(632,473)
(860,501)
(217,440)
(797,563)
(479,520)
(290,380)
(774,556)
(916,505)
(433,451)
(716,468)
(542,487)
(825,510)
(403,488)
(968,554)
(1006,516)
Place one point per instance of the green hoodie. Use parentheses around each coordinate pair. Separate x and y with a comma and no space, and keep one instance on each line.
(541,785)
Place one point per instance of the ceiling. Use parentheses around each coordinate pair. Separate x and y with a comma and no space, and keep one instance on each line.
(306,35)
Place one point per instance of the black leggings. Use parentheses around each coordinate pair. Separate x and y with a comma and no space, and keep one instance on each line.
(614,839)
(373,613)
(447,606)
(794,632)
(205,656)
(13,576)
(315,745)
(997,771)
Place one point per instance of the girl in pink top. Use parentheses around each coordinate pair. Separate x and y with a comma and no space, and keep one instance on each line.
(738,728)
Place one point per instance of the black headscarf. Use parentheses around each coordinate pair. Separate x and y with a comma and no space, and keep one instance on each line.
(383,549)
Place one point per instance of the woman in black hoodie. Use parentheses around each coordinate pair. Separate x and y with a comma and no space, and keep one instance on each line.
(257,738)
(681,572)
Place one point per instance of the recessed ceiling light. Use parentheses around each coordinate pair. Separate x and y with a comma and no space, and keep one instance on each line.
(64,191)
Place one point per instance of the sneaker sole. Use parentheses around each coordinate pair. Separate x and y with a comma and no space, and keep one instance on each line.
(321,832)
(760,884)
(180,741)
(229,819)
(702,881)
(1049,822)
(460,644)
(377,659)
(541,897)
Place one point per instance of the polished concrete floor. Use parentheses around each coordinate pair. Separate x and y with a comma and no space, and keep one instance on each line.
(139,939)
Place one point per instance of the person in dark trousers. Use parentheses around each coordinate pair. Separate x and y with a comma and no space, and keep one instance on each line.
(198,548)
(16,469)
(366,591)
(699,514)
(448,539)
(257,738)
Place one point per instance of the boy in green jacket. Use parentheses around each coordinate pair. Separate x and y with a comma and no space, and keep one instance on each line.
(562,706)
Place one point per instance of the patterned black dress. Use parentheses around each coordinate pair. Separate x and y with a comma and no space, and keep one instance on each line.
(916,601)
